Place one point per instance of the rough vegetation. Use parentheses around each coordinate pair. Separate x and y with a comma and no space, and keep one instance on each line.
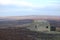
(25,34)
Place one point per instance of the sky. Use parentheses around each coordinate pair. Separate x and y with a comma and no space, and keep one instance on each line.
(29,7)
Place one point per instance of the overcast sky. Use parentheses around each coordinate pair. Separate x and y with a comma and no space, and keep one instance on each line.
(29,7)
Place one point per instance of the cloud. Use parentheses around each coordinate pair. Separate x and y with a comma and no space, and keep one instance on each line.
(23,6)
(54,1)
(21,3)
(15,2)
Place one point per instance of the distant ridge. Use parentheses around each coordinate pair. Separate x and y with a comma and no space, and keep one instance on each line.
(34,17)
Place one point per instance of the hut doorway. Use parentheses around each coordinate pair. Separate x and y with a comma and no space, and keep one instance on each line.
(53,28)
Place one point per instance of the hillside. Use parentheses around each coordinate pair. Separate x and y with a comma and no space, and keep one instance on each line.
(18,33)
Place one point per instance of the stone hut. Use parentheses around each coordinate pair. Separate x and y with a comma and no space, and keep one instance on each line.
(41,25)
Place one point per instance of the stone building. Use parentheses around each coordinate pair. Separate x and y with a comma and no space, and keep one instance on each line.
(41,25)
